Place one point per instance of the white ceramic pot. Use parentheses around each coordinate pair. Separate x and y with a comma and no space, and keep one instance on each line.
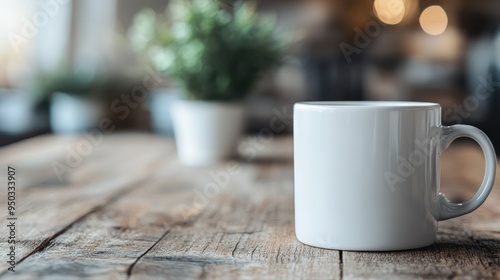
(16,112)
(160,104)
(206,132)
(74,114)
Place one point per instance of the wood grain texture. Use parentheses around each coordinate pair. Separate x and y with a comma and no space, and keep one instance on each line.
(130,210)
(46,207)
(245,232)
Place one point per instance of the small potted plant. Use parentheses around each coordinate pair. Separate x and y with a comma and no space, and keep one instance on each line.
(68,94)
(215,55)
(78,101)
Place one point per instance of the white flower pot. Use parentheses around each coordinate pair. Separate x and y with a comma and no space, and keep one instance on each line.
(71,114)
(16,112)
(206,132)
(160,104)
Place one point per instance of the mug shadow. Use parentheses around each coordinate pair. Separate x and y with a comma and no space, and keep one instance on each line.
(484,247)
(264,160)
(451,256)
(481,249)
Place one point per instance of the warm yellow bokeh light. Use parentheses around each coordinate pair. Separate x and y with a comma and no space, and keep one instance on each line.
(411,7)
(389,11)
(434,20)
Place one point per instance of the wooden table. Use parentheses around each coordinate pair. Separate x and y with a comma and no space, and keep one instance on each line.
(126,208)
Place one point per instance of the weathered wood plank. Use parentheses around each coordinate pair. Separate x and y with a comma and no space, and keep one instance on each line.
(457,253)
(242,229)
(187,223)
(245,232)
(46,208)
(106,243)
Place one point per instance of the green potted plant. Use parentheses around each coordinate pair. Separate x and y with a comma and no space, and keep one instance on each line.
(77,101)
(215,55)
(68,96)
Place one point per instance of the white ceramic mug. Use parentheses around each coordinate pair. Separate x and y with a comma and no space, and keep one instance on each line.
(367,174)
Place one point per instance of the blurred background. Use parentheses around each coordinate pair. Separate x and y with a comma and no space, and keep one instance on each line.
(67,64)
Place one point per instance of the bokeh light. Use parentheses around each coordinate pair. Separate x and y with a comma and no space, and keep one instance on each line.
(389,11)
(434,20)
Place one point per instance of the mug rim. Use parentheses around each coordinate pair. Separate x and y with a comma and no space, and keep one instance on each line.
(369,104)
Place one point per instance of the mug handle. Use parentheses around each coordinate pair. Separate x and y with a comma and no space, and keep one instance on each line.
(447,209)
